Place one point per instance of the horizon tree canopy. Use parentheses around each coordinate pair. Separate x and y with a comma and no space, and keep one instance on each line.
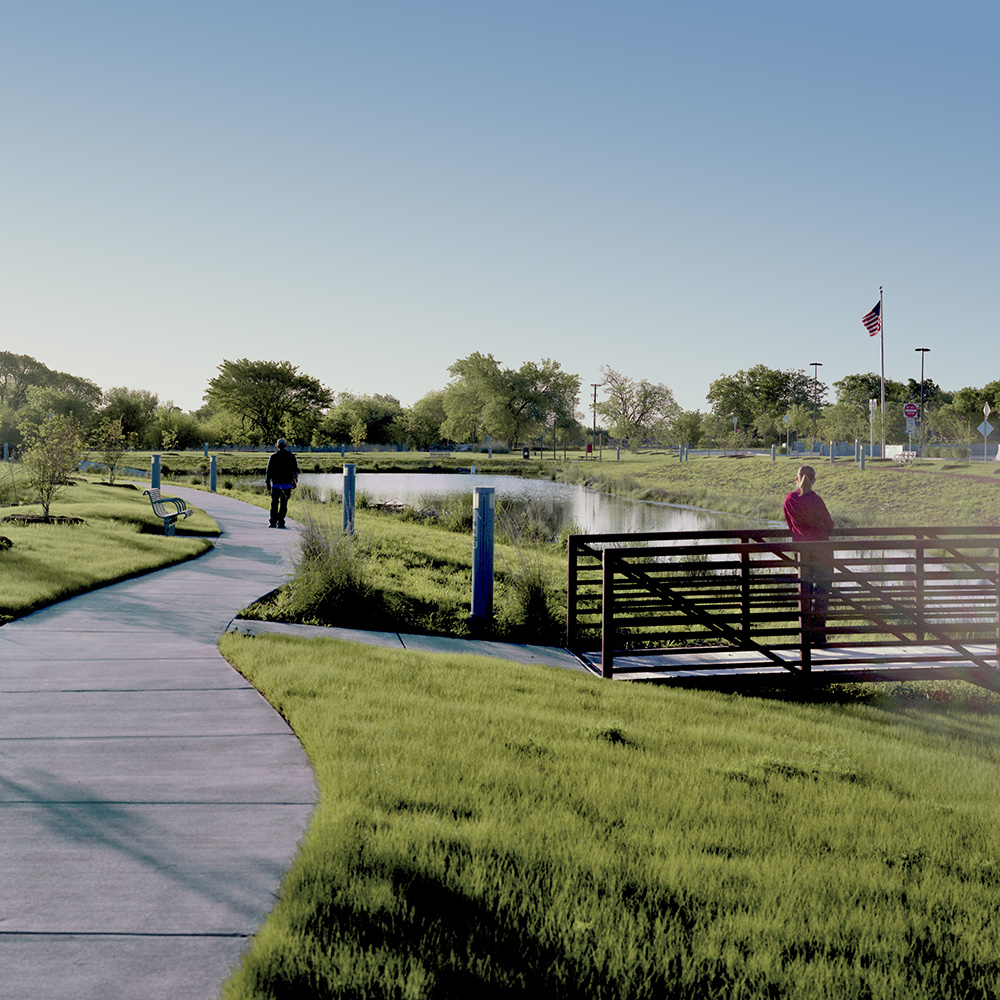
(265,396)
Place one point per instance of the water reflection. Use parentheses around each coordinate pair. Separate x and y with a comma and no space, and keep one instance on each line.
(565,503)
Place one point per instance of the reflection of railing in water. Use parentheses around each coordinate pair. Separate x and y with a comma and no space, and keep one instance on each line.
(899,596)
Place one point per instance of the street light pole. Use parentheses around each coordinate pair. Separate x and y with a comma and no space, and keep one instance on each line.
(922,351)
(594,386)
(816,365)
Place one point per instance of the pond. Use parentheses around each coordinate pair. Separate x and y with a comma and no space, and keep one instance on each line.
(564,504)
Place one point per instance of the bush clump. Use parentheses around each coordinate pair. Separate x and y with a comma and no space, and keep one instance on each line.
(329,581)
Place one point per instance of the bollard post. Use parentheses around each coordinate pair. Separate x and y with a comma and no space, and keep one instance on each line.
(206,449)
(5,452)
(774,450)
(619,453)
(862,459)
(154,473)
(831,452)
(483,508)
(349,499)
(213,473)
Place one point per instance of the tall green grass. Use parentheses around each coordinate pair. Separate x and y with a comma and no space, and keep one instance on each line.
(488,829)
(410,576)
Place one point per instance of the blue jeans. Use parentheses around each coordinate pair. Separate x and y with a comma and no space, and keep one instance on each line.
(279,505)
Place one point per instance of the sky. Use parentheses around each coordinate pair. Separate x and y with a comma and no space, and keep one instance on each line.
(374,190)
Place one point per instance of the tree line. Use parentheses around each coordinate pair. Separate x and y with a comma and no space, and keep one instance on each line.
(537,403)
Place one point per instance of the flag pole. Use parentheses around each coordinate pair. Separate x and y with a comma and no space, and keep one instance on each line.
(881,348)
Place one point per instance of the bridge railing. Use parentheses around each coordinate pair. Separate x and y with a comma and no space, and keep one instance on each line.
(909,592)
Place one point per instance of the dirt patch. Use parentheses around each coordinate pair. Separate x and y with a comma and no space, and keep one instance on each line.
(40,519)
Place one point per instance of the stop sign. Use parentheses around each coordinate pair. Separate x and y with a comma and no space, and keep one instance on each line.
(910,409)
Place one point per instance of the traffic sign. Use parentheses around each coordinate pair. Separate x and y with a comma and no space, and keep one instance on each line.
(985,428)
(910,409)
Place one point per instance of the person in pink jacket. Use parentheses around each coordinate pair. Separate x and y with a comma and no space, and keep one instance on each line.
(809,521)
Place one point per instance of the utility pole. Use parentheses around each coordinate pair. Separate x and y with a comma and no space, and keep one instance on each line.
(815,366)
(922,351)
(594,386)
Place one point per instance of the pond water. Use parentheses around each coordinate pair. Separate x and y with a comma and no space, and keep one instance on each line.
(564,504)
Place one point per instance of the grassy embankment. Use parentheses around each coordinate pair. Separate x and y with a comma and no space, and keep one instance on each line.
(120,537)
(489,829)
(419,576)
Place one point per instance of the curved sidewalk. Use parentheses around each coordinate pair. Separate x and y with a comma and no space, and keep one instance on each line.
(150,799)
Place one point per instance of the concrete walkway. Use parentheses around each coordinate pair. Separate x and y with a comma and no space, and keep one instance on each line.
(150,799)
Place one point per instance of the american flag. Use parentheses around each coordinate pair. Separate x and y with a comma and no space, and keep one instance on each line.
(873,320)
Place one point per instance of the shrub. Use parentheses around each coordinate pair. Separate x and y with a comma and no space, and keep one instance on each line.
(329,572)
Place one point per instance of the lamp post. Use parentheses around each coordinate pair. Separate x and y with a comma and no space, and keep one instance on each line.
(921,351)
(595,386)
(816,365)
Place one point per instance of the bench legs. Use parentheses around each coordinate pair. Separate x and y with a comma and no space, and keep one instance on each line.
(168,525)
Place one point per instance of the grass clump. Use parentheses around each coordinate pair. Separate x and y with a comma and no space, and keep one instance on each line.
(329,579)
(489,829)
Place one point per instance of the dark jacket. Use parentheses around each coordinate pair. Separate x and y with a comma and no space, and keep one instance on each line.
(282,469)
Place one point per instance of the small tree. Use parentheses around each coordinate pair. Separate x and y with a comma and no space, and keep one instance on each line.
(55,449)
(359,432)
(112,446)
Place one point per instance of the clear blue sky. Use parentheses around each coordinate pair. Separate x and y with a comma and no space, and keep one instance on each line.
(371,190)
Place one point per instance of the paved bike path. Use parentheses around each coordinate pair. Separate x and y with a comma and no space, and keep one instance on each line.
(150,798)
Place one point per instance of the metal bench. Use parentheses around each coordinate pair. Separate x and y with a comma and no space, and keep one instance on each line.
(169,508)
(905,457)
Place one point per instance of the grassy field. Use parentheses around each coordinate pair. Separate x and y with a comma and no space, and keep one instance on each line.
(120,537)
(488,829)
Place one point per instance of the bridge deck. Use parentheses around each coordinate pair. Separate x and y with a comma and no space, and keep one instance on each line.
(831,664)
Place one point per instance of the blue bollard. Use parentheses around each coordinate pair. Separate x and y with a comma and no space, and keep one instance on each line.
(483,510)
(349,499)
(154,474)
(212,474)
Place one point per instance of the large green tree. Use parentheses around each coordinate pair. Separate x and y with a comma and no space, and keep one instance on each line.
(20,372)
(760,396)
(510,404)
(424,420)
(136,409)
(267,397)
(637,408)
(382,415)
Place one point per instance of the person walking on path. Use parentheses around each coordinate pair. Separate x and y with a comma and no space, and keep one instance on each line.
(280,479)
(809,521)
